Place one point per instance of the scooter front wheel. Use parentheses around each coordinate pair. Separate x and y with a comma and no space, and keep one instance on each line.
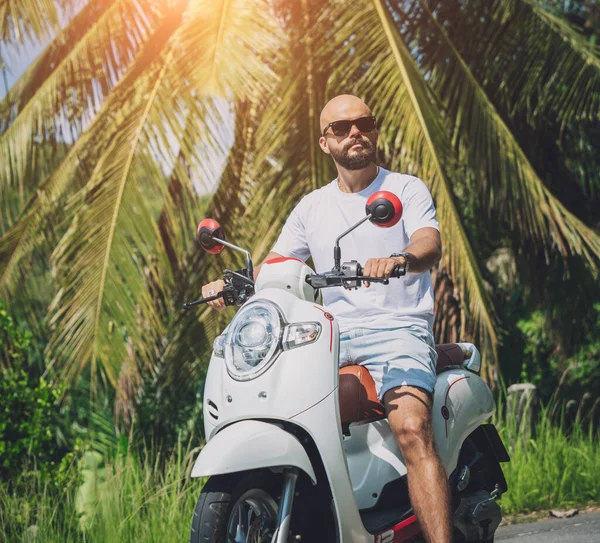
(236,509)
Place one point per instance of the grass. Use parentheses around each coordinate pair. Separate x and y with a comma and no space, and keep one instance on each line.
(151,498)
(556,468)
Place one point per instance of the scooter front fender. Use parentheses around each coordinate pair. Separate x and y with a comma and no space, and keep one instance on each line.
(251,444)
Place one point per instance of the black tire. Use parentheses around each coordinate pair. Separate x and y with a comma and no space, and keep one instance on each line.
(219,496)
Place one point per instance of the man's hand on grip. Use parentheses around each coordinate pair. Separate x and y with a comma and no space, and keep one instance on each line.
(379,267)
(210,290)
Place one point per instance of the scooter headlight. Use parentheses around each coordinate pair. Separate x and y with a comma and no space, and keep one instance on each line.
(253,340)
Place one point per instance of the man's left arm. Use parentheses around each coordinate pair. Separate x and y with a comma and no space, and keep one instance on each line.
(424,252)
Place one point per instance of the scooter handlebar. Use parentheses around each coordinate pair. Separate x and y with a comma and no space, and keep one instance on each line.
(342,278)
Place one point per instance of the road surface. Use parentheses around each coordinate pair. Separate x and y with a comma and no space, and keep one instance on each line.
(582,528)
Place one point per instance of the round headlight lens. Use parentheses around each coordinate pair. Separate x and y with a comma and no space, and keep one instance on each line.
(253,340)
(253,334)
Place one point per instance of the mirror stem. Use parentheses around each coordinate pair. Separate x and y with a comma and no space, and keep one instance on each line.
(249,265)
(337,252)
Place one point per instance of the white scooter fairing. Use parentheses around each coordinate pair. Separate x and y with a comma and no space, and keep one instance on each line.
(285,413)
(301,388)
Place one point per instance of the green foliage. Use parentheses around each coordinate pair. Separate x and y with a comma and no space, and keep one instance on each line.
(33,511)
(538,364)
(165,417)
(584,366)
(13,342)
(556,469)
(32,431)
(545,365)
(130,498)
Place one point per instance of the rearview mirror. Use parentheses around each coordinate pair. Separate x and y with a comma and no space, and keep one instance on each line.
(208,229)
(385,209)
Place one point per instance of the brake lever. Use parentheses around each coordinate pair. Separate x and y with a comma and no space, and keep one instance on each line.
(187,305)
(382,280)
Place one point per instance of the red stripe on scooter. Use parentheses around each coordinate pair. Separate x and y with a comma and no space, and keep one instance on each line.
(279,259)
(403,531)
(329,317)
(407,529)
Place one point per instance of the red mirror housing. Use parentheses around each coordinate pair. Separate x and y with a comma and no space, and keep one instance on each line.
(205,232)
(385,208)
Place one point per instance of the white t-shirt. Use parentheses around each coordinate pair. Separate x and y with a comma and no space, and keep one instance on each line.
(321,216)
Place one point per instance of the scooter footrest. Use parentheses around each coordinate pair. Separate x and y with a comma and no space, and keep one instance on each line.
(375,521)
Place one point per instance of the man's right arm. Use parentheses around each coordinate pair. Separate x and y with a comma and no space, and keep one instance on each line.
(217,286)
(291,243)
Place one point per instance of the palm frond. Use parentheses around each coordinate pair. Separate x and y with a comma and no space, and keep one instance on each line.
(102,256)
(227,47)
(28,233)
(109,214)
(23,20)
(562,70)
(515,193)
(259,186)
(50,59)
(529,61)
(56,103)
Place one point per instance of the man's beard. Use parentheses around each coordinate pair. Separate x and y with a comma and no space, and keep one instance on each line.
(359,159)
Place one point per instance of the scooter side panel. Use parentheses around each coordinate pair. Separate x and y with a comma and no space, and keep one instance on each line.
(280,392)
(248,445)
(212,396)
(321,422)
(462,401)
(374,460)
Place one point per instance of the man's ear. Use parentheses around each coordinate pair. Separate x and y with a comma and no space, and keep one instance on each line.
(323,144)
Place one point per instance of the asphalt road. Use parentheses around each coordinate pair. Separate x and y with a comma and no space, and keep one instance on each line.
(582,528)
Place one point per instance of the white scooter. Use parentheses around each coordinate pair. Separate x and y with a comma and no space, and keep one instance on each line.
(299,450)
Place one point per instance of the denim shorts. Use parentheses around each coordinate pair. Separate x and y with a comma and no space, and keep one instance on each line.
(394,357)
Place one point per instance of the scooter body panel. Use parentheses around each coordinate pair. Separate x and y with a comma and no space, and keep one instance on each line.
(462,401)
(280,392)
(320,423)
(251,444)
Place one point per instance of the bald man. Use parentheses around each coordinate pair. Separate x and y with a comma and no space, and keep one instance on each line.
(387,329)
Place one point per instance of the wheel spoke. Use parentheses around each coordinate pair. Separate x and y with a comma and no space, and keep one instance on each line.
(241,524)
(248,518)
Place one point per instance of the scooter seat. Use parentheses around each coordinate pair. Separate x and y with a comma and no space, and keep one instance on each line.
(358,394)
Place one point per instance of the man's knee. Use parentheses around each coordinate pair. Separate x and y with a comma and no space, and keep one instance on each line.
(409,415)
(413,432)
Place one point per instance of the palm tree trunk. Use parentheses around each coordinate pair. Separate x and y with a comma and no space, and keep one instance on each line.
(447,323)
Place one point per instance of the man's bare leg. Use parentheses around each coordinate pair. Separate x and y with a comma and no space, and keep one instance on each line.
(409,413)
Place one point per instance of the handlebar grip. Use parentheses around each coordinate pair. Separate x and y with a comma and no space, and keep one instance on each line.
(187,305)
(398,271)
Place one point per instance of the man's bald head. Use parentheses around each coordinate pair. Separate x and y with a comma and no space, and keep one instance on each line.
(354,150)
(343,107)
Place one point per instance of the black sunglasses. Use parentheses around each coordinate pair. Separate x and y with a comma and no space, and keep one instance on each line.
(342,128)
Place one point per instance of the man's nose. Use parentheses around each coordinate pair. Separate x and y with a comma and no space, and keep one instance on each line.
(354,131)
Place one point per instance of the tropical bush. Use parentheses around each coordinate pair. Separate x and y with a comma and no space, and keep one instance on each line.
(33,436)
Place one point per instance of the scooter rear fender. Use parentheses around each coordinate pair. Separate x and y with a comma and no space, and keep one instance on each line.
(251,444)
